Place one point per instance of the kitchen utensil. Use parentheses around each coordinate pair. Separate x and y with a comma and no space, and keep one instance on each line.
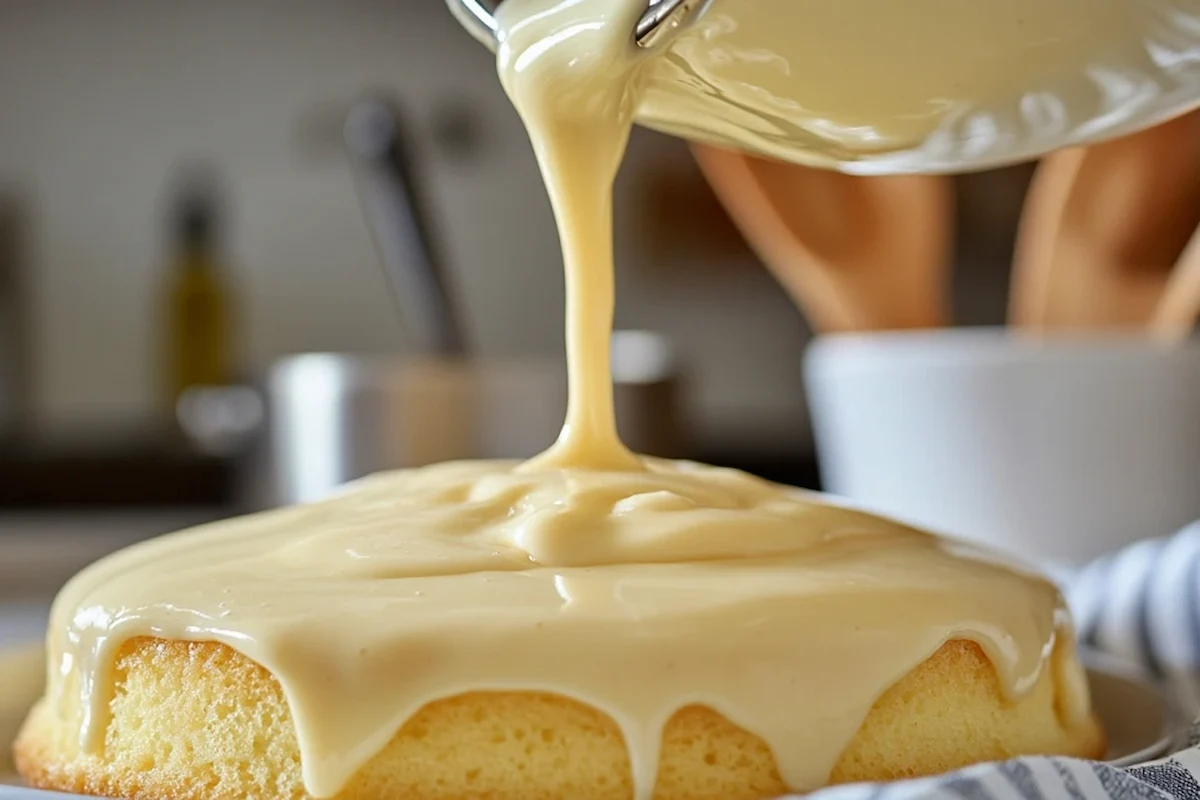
(1103,227)
(662,16)
(395,201)
(855,253)
(982,85)
(1061,448)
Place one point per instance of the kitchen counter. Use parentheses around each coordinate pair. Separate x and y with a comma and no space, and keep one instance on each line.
(40,551)
(143,474)
(150,474)
(22,621)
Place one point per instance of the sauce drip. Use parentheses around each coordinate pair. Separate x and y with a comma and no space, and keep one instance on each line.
(555,575)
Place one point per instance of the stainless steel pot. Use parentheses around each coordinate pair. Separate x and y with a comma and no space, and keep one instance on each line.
(317,421)
(332,418)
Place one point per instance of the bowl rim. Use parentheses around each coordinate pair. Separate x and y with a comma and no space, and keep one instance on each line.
(1170,738)
(990,346)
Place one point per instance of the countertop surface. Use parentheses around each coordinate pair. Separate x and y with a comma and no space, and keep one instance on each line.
(22,621)
(132,473)
(40,551)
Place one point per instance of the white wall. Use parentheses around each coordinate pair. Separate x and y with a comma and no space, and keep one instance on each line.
(99,98)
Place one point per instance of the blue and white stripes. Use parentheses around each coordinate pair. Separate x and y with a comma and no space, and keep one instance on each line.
(1141,605)
(1042,779)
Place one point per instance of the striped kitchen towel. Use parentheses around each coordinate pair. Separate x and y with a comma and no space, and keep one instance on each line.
(1142,605)
(1041,778)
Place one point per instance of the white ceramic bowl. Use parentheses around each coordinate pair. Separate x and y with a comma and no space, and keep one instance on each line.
(1057,450)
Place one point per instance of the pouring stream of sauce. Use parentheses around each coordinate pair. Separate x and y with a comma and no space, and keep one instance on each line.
(786,613)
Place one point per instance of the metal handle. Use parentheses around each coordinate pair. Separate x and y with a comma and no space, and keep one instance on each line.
(478,17)
(661,18)
(666,16)
(394,200)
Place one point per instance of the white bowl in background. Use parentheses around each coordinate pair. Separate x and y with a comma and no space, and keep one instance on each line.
(1059,449)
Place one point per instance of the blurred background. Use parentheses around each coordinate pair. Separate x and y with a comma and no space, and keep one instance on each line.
(187,203)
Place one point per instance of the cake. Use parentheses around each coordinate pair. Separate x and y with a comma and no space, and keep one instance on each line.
(436,634)
(586,624)
(948,712)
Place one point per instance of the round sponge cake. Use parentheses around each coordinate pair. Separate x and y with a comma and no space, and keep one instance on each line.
(197,721)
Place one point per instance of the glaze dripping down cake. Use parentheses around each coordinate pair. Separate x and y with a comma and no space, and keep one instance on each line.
(486,630)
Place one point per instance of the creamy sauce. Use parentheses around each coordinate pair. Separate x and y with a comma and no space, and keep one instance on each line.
(721,589)
(788,614)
